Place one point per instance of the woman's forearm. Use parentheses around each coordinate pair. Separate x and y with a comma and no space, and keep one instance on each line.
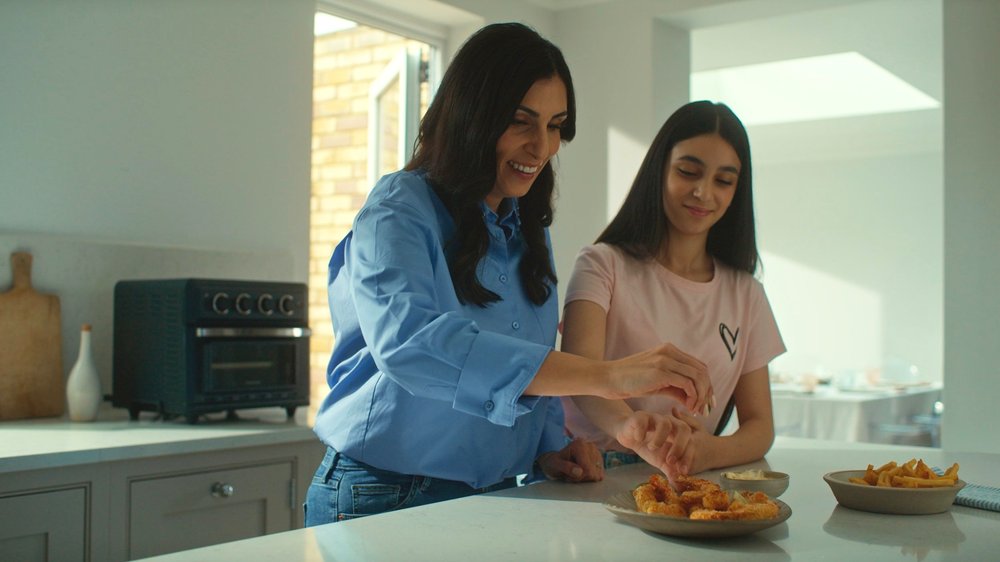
(662,371)
(565,374)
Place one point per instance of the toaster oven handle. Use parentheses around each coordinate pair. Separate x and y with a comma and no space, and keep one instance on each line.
(252,332)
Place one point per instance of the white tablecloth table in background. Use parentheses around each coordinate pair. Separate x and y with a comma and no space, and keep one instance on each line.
(838,415)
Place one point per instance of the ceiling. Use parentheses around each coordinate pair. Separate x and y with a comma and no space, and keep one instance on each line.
(903,36)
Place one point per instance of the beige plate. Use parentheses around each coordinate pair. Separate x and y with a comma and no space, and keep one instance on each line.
(622,505)
(902,501)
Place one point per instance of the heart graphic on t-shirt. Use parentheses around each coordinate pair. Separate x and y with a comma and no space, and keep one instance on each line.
(729,338)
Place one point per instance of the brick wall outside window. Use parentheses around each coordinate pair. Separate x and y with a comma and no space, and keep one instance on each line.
(345,64)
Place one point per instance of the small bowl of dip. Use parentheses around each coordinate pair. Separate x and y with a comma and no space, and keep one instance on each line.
(770,482)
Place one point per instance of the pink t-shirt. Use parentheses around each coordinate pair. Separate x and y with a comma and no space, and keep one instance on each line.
(726,323)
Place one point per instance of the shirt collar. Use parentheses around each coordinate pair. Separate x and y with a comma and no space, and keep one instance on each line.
(511,219)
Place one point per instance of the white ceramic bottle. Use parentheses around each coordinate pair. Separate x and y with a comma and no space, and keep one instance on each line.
(83,389)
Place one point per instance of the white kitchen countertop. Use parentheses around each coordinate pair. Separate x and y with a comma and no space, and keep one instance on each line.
(48,442)
(556,521)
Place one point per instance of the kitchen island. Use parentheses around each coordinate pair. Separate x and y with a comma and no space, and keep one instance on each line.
(556,521)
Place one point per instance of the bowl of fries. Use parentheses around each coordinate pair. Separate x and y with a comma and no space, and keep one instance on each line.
(911,488)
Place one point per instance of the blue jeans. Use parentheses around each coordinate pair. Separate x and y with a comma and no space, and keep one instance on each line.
(344,488)
(617,458)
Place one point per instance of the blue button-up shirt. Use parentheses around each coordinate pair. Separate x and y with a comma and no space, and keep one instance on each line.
(419,382)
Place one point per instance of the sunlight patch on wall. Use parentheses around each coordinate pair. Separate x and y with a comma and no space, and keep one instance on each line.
(808,89)
(625,154)
(827,323)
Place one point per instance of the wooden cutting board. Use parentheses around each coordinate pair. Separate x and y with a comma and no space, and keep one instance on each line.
(31,376)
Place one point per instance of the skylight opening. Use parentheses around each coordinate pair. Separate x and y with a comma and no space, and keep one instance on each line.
(325,23)
(808,89)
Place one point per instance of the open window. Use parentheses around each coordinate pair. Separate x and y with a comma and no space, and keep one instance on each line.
(371,86)
(394,113)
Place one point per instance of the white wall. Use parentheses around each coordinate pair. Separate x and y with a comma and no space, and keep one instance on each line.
(147,139)
(613,54)
(82,273)
(849,210)
(972,229)
(865,238)
(181,123)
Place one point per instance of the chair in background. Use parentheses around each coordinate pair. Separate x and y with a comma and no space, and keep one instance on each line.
(922,430)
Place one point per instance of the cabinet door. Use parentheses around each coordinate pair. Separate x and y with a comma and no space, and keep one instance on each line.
(44,526)
(180,512)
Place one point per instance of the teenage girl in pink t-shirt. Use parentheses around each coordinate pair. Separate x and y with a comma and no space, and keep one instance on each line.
(676,265)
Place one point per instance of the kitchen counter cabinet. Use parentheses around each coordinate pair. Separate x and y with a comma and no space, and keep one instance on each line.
(125,490)
(181,502)
(48,524)
(50,514)
(195,510)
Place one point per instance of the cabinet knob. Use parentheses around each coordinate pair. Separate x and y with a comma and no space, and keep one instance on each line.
(222,490)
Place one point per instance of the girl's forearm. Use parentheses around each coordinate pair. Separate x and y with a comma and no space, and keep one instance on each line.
(608,415)
(749,443)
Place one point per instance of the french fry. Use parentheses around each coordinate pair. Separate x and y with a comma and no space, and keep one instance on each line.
(887,466)
(871,475)
(915,482)
(884,479)
(914,473)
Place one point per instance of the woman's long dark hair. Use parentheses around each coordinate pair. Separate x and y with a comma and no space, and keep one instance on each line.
(640,227)
(474,104)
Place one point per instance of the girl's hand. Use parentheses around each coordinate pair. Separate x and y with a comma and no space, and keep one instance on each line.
(580,461)
(687,456)
(664,370)
(652,437)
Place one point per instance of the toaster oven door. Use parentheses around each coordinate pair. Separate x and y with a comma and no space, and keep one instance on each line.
(238,361)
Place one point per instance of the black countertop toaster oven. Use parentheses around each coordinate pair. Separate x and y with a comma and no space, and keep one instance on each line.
(189,347)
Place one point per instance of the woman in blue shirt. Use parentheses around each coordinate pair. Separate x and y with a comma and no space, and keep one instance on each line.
(445,310)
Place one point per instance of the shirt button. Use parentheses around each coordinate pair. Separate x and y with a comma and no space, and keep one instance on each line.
(503,278)
(516,325)
(488,405)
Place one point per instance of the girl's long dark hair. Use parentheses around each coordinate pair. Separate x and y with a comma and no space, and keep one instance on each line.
(474,104)
(640,227)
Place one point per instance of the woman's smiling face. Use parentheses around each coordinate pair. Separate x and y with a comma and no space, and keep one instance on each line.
(701,179)
(530,141)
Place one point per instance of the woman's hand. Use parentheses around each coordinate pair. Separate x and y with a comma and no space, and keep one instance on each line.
(664,370)
(580,461)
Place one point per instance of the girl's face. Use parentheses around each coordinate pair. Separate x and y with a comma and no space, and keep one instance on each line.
(701,179)
(531,139)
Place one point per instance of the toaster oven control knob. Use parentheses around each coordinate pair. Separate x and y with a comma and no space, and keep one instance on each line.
(220,303)
(265,304)
(243,304)
(285,305)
